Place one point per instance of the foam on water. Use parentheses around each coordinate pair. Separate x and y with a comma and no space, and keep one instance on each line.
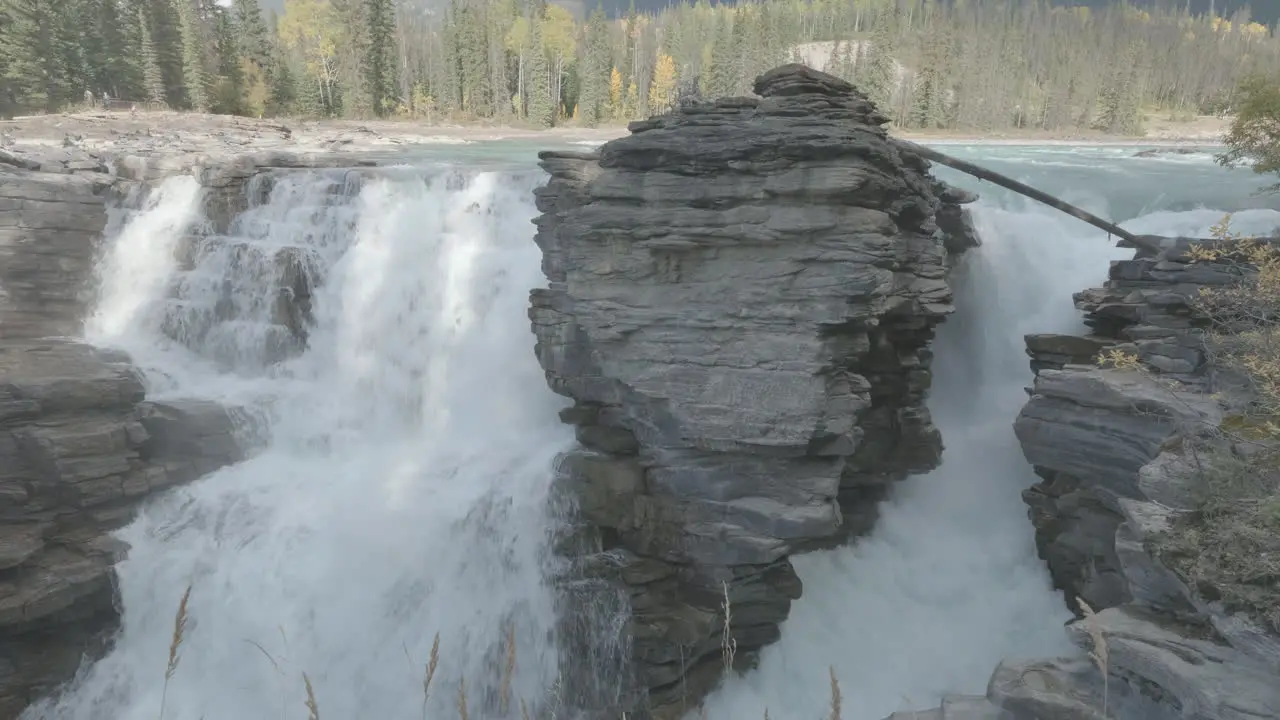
(404,489)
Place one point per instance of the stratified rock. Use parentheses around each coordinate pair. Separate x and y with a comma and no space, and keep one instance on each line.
(77,455)
(1107,443)
(1159,670)
(1050,351)
(742,294)
(49,227)
(1089,431)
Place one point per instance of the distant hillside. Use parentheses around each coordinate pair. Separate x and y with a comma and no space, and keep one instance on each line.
(1265,11)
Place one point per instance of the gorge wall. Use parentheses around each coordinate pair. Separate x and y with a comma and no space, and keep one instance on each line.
(80,446)
(742,295)
(1108,445)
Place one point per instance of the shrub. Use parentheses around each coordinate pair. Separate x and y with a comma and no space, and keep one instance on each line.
(1228,547)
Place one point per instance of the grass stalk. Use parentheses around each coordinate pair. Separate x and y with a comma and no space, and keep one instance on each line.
(175,646)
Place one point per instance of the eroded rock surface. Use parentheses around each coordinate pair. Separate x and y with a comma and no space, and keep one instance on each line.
(742,295)
(79,450)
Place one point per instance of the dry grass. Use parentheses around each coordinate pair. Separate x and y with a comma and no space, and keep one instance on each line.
(175,646)
(1229,548)
(836,701)
(728,649)
(313,708)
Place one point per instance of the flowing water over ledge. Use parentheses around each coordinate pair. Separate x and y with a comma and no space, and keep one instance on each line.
(408,452)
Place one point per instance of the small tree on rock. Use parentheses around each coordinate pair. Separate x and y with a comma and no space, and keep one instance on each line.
(1254,136)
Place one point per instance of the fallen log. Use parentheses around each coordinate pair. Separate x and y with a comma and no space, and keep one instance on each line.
(1145,242)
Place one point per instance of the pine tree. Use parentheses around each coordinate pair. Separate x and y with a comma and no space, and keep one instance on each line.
(229,89)
(152,78)
(195,75)
(28,45)
(379,63)
(542,109)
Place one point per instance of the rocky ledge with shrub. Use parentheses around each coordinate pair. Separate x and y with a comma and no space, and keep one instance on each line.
(1138,513)
(742,296)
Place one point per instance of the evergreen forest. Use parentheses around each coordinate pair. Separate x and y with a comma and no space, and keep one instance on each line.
(977,65)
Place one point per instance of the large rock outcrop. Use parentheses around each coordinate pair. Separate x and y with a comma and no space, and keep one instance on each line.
(742,295)
(1107,443)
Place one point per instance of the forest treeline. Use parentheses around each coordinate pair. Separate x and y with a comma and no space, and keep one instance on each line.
(965,64)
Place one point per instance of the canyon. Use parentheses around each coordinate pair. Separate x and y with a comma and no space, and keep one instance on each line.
(741,300)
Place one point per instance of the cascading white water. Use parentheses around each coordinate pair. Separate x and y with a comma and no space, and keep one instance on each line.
(404,489)
(949,584)
(403,486)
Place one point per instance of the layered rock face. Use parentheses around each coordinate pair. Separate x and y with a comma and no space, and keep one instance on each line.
(49,222)
(742,294)
(1090,431)
(79,450)
(1105,440)
(80,447)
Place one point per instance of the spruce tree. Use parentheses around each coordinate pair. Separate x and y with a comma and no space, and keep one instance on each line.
(195,76)
(542,109)
(108,52)
(283,86)
(379,61)
(230,86)
(593,77)
(152,77)
(253,35)
(31,63)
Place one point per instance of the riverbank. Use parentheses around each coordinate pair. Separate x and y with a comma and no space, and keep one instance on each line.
(196,132)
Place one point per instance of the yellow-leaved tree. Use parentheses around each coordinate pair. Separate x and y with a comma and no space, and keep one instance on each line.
(616,109)
(663,88)
(311,29)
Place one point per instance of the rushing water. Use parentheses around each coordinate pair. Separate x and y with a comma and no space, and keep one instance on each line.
(408,453)
(948,584)
(403,488)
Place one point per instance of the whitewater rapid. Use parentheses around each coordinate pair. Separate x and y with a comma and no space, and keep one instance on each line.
(406,458)
(948,584)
